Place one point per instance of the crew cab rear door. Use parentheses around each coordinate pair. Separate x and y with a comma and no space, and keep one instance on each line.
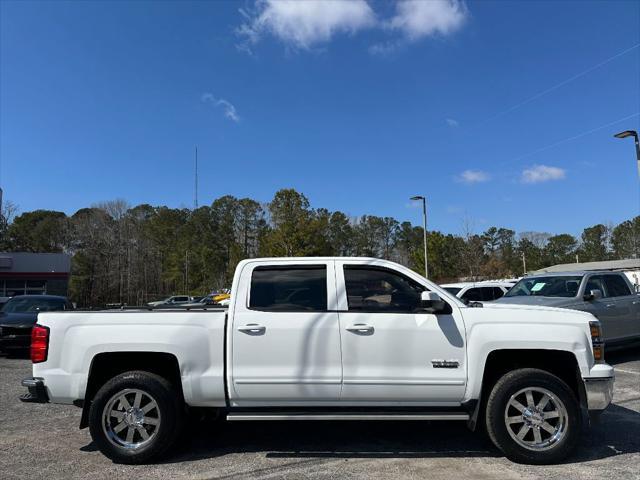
(285,345)
(391,352)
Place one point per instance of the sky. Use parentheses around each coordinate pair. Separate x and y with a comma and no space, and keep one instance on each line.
(500,113)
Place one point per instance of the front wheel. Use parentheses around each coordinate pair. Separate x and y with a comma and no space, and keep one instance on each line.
(135,417)
(533,417)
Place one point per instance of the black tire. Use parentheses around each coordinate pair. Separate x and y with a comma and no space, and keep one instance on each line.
(169,413)
(496,413)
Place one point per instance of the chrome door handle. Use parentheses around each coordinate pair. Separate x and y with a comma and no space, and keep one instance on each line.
(252,328)
(360,328)
(610,305)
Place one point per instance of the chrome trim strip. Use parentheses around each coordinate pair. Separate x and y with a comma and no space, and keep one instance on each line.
(346,416)
(285,381)
(403,382)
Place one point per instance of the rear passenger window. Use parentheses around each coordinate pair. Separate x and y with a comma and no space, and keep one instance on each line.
(480,294)
(472,295)
(289,289)
(616,286)
(497,293)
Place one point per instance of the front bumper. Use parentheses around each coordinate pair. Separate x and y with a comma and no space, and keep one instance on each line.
(37,391)
(599,392)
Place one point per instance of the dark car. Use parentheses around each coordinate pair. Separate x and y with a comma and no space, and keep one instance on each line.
(20,314)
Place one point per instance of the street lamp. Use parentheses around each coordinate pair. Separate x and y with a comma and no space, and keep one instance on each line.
(424,229)
(634,134)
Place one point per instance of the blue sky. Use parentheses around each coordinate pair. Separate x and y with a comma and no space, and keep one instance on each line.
(502,112)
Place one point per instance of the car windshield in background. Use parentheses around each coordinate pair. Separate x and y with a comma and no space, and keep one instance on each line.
(452,290)
(555,286)
(27,305)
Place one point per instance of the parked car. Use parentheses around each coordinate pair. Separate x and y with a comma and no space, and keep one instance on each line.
(200,302)
(225,302)
(478,291)
(326,339)
(19,315)
(175,300)
(221,297)
(609,296)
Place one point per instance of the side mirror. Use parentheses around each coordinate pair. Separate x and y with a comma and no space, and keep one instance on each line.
(595,294)
(431,302)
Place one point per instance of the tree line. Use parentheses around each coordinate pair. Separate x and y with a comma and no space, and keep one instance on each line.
(131,255)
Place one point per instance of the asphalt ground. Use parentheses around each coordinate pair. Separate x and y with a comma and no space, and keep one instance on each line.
(43,441)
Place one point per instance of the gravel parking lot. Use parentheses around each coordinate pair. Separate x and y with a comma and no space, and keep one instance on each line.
(43,441)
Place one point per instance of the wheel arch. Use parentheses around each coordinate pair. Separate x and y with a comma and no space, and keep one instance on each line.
(561,363)
(107,365)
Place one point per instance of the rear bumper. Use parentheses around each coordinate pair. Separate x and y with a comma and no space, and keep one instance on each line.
(37,391)
(15,342)
(15,337)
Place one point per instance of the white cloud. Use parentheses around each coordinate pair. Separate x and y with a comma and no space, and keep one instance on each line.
(473,176)
(421,18)
(542,173)
(452,122)
(229,109)
(303,24)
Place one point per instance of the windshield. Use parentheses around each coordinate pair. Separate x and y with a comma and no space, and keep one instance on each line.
(452,290)
(555,286)
(31,304)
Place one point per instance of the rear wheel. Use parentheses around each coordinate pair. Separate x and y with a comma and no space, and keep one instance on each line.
(135,417)
(533,417)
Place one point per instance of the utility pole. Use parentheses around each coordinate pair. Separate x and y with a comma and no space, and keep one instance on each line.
(524,264)
(195,199)
(186,272)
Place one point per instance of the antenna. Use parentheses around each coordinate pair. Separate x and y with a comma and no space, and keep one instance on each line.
(195,199)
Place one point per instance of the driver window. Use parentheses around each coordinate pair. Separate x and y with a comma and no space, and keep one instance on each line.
(373,289)
(596,283)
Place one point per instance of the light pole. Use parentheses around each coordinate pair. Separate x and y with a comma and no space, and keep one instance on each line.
(634,134)
(424,230)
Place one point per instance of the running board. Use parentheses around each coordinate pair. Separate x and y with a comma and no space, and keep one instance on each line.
(238,417)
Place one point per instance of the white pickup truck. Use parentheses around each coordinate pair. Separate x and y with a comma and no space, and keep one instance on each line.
(326,339)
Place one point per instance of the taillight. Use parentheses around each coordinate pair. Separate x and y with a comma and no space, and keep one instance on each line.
(39,343)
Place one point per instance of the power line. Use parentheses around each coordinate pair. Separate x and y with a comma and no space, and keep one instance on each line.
(558,85)
(574,137)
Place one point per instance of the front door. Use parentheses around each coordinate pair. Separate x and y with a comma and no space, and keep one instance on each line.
(391,352)
(286,339)
(604,309)
(627,306)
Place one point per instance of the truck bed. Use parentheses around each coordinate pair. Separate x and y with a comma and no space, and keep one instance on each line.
(195,337)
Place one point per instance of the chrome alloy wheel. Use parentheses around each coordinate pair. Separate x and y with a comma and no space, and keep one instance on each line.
(131,418)
(536,418)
